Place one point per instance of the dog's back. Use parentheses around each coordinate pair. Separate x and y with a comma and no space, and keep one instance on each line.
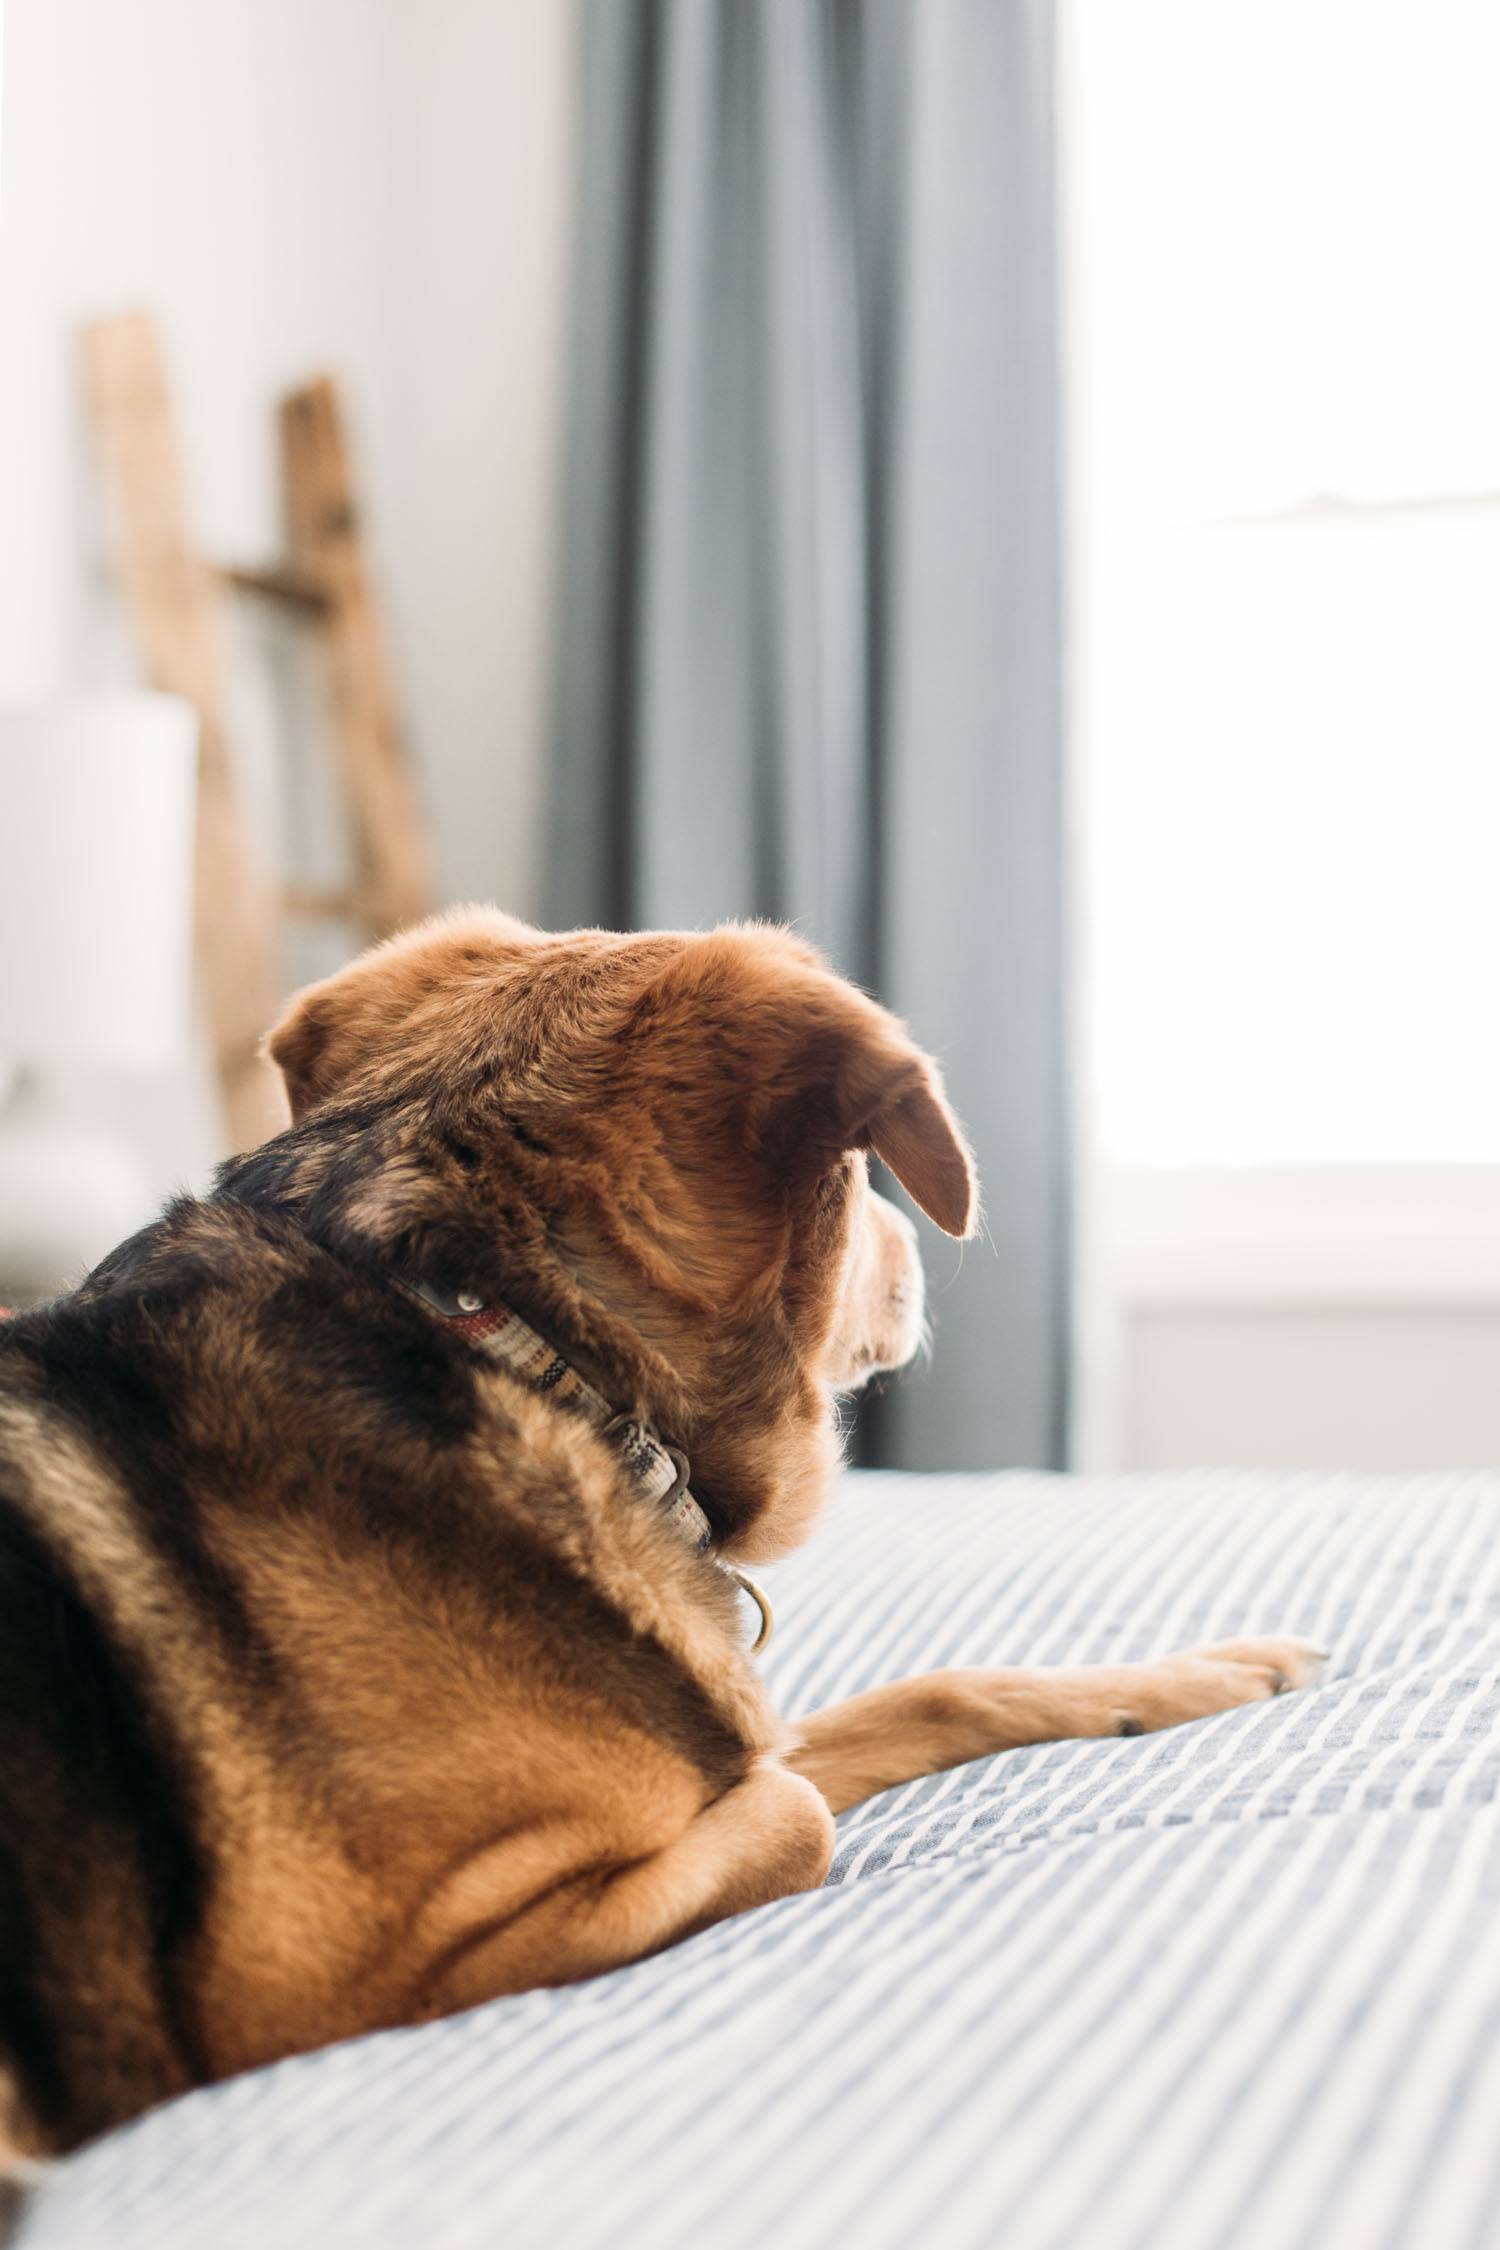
(298,1603)
(101,1881)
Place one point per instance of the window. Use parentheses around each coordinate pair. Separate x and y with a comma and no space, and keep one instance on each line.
(1284,228)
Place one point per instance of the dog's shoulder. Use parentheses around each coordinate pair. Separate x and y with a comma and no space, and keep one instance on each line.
(282,1432)
(351,1599)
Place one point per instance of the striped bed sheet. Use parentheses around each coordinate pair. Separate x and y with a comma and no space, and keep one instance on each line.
(1238,1984)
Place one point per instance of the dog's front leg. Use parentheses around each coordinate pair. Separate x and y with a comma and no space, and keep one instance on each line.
(892,1734)
(769,1836)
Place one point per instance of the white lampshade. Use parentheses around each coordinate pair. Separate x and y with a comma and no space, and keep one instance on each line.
(96,880)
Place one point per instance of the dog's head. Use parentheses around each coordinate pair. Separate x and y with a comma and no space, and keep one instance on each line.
(656,1148)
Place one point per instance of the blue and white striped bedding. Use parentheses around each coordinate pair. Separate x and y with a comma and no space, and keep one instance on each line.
(1238,1984)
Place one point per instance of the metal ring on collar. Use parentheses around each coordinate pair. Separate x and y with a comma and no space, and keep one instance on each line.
(762,1601)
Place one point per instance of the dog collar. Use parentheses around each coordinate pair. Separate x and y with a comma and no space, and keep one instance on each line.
(659,1471)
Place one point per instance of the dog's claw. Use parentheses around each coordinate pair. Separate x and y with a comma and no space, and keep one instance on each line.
(1203,1681)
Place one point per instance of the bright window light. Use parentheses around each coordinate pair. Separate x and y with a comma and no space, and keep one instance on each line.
(1284,227)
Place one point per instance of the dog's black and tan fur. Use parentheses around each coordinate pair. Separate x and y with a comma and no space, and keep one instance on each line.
(343,1681)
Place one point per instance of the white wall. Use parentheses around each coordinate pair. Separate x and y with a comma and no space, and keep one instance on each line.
(1314,1317)
(1360,1388)
(481,110)
(220,165)
(376,187)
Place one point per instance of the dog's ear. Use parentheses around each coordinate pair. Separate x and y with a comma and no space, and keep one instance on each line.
(306,1047)
(917,1136)
(870,1086)
(831,1070)
(370,1013)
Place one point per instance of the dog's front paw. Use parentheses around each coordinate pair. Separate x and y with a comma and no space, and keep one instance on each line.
(1202,1681)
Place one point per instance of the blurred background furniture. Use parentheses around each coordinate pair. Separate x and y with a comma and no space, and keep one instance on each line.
(174,599)
(96,892)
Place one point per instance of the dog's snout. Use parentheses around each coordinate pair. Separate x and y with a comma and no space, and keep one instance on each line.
(880,1320)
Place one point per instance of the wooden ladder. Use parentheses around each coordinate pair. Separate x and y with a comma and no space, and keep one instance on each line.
(176,602)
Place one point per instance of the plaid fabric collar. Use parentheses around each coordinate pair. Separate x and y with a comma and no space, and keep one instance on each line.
(659,1471)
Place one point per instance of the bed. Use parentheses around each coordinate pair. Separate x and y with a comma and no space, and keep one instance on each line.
(1237,1984)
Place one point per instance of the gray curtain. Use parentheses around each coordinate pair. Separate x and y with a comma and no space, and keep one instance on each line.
(809,626)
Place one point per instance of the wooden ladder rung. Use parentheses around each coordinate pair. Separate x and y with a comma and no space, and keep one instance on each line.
(310,903)
(279,582)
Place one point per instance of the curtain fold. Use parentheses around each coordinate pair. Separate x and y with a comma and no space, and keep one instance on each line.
(809,631)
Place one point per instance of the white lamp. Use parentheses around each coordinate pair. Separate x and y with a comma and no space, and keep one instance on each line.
(96,897)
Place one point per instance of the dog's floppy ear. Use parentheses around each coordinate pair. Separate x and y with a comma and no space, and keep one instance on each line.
(832,1070)
(917,1136)
(871,1086)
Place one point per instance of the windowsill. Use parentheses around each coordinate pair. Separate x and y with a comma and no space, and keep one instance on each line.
(1361,1236)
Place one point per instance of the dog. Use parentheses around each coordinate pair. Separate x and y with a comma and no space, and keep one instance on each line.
(373,1532)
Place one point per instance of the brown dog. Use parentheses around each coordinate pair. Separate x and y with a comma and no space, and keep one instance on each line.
(366,1643)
